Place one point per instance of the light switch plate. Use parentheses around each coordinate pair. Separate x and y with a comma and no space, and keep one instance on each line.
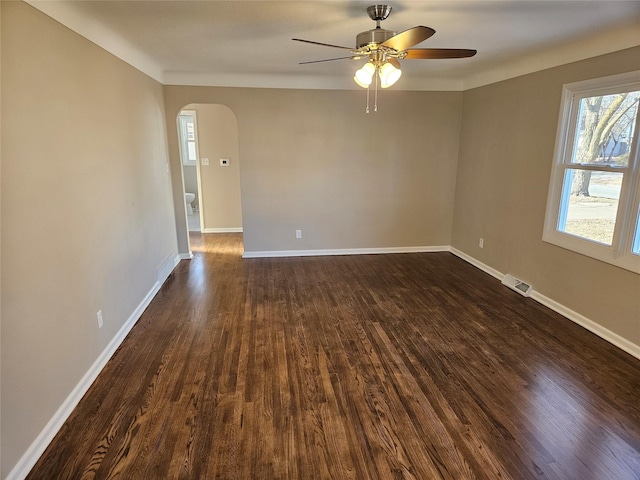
(204,161)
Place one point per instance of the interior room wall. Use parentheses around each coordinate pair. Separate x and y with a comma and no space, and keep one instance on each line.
(87,212)
(218,138)
(315,161)
(506,152)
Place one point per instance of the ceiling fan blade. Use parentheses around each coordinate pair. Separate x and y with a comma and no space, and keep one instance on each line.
(436,53)
(354,57)
(321,44)
(408,38)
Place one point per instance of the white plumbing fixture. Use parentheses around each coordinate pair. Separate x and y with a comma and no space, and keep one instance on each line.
(189,198)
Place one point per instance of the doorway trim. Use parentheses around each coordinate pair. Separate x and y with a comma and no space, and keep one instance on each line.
(194,115)
(182,232)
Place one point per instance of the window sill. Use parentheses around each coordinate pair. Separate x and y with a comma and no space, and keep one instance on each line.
(593,250)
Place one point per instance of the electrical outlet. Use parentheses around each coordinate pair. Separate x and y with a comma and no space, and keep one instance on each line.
(99,315)
(481,243)
(298,233)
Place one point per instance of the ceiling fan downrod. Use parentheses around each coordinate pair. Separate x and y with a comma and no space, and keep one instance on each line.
(377,35)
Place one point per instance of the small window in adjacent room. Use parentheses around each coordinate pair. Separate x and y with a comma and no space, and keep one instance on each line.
(187,133)
(593,206)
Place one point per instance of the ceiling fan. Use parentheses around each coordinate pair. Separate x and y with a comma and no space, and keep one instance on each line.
(384,48)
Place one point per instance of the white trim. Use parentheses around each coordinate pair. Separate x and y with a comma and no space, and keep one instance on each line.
(477,263)
(103,36)
(619,252)
(42,441)
(186,256)
(222,230)
(604,333)
(347,251)
(39,445)
(194,116)
(300,82)
(166,267)
(614,39)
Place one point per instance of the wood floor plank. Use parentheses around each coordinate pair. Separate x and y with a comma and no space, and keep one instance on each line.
(379,367)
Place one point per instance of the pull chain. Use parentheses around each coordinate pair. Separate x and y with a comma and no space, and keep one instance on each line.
(375,105)
(368,88)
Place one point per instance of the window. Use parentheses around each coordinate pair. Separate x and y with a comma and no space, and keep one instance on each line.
(187,131)
(593,206)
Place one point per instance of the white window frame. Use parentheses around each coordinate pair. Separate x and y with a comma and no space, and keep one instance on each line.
(620,252)
(183,141)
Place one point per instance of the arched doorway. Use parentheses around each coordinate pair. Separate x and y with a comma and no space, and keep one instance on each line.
(210,168)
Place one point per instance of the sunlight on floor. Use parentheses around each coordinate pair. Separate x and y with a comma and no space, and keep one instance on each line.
(218,243)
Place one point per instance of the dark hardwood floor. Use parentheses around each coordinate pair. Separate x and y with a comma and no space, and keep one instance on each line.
(414,366)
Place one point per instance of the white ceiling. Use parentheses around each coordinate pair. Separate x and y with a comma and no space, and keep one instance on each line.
(248,43)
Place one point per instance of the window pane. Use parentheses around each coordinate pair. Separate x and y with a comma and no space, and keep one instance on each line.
(636,237)
(592,217)
(191,133)
(605,128)
(191,148)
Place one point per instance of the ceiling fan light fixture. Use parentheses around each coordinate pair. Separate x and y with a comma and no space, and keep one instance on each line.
(384,47)
(360,84)
(364,75)
(389,75)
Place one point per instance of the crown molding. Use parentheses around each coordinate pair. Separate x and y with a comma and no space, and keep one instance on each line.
(616,39)
(601,43)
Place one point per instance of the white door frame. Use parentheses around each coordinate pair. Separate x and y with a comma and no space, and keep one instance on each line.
(193,114)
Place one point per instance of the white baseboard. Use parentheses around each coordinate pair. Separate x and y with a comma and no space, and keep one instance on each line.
(347,251)
(39,445)
(611,337)
(42,441)
(186,256)
(477,263)
(166,267)
(222,230)
(604,333)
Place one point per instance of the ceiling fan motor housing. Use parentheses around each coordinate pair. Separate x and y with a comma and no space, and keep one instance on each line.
(377,36)
(378,12)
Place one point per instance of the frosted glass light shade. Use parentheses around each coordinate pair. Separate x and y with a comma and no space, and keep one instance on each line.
(389,75)
(355,79)
(364,75)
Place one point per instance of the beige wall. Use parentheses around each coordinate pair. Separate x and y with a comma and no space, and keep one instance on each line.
(313,160)
(218,138)
(506,151)
(87,213)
